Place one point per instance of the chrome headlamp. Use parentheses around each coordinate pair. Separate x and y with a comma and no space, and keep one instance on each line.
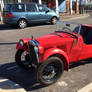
(34,43)
(36,49)
(31,42)
(22,43)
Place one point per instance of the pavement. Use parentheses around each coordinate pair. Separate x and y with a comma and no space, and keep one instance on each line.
(70,17)
(87,88)
(7,85)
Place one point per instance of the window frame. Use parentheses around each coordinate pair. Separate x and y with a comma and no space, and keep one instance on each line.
(31,11)
(44,8)
(17,4)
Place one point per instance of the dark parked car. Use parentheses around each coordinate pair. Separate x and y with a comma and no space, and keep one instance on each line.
(23,14)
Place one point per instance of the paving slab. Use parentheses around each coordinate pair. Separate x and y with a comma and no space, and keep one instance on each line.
(87,88)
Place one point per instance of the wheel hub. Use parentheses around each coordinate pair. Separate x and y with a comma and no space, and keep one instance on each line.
(27,57)
(22,23)
(49,72)
(54,20)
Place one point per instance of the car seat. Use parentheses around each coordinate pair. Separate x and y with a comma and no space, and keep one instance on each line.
(83,33)
(89,37)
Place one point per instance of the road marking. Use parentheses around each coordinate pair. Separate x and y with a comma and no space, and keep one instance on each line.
(13,67)
(87,88)
(62,83)
(2,80)
(20,90)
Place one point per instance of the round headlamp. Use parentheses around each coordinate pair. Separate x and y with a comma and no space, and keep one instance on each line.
(22,43)
(36,49)
(34,43)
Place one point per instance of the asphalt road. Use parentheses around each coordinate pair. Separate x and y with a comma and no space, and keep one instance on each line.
(80,74)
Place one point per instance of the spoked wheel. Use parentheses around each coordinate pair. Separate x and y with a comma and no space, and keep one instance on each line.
(22,23)
(22,58)
(54,20)
(50,71)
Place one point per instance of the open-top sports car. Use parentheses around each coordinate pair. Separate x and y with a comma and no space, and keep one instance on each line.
(51,54)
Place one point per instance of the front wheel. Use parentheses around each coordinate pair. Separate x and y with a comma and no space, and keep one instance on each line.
(54,20)
(22,59)
(50,71)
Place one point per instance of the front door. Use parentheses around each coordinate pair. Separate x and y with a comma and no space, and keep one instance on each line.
(76,50)
(44,13)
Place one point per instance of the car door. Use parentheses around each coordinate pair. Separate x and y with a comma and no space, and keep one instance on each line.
(76,49)
(32,14)
(86,52)
(44,13)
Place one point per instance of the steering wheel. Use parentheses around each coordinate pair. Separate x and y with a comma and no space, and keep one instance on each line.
(65,28)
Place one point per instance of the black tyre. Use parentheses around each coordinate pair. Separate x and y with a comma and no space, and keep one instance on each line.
(22,23)
(50,71)
(22,59)
(54,20)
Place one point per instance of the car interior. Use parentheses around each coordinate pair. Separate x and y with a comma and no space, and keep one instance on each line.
(86,33)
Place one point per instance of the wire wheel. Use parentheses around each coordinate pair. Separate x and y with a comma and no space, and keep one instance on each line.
(22,59)
(50,71)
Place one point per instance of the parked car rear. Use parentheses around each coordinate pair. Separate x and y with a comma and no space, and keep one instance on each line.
(24,14)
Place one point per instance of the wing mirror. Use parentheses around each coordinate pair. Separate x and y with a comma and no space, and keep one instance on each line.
(47,11)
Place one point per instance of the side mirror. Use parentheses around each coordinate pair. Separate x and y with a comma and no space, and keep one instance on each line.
(47,11)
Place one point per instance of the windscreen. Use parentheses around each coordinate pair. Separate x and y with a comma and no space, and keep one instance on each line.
(68,27)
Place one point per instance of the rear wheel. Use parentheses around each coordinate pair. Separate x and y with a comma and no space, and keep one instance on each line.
(22,23)
(50,71)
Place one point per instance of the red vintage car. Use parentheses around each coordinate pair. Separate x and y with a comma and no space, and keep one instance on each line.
(51,54)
